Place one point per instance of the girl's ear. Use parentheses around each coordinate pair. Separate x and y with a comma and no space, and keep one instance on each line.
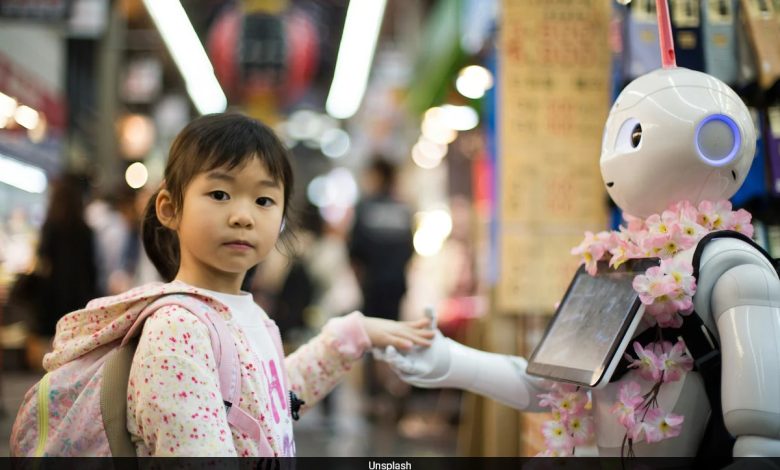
(166,211)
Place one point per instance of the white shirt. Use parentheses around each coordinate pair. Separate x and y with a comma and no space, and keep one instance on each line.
(248,316)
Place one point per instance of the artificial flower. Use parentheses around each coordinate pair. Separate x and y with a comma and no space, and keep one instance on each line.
(740,221)
(592,249)
(674,362)
(681,271)
(556,436)
(714,216)
(648,363)
(629,399)
(580,428)
(659,424)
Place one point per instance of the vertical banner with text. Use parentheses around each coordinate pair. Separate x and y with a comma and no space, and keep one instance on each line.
(554,79)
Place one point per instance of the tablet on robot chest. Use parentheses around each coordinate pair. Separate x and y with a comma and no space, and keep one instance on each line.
(592,326)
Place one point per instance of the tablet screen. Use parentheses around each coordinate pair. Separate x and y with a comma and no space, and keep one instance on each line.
(590,323)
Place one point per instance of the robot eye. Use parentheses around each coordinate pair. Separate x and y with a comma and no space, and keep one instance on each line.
(636,135)
(629,137)
(717,139)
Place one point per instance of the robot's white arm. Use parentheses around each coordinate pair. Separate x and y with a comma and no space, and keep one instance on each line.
(449,364)
(741,290)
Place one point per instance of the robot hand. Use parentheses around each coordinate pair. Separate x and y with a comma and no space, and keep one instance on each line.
(421,367)
(449,364)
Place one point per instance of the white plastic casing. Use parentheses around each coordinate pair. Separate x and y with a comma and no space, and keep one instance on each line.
(697,142)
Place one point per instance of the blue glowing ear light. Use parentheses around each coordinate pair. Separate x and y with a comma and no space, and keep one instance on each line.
(736,136)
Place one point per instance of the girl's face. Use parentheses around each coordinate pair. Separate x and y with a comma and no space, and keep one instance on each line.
(229,222)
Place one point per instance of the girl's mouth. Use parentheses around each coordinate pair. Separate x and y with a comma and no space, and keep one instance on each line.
(239,245)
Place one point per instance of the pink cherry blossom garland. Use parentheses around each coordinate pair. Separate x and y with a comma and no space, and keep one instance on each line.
(571,425)
(662,236)
(639,413)
(667,292)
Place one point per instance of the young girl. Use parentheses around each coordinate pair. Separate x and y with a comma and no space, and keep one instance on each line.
(221,210)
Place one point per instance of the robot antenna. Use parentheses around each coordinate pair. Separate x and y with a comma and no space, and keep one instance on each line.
(668,59)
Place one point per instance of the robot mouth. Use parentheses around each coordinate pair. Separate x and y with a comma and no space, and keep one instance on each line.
(610,184)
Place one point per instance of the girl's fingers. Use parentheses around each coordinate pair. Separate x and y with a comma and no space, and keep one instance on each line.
(419,323)
(418,339)
(424,332)
(415,337)
(401,343)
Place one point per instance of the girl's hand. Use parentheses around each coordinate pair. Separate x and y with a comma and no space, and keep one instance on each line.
(400,334)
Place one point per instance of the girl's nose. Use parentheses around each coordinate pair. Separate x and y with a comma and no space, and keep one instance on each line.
(240,217)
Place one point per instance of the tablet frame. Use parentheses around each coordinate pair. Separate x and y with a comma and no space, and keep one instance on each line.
(600,376)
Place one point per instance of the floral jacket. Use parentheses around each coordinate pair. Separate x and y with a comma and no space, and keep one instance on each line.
(174,406)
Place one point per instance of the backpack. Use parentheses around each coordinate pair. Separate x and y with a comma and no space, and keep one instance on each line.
(717,442)
(77,409)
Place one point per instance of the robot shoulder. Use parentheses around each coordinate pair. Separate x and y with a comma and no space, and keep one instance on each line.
(717,253)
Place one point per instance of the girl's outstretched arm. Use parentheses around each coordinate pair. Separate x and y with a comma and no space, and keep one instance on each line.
(319,365)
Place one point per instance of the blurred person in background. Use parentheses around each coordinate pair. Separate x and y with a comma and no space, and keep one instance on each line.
(66,261)
(18,242)
(327,260)
(19,284)
(111,235)
(128,250)
(380,246)
(116,221)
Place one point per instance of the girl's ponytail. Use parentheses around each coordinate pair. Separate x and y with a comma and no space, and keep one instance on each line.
(161,243)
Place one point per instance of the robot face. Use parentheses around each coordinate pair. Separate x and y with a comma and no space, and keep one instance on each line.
(675,135)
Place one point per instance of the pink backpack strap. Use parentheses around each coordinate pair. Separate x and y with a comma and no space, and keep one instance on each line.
(225,354)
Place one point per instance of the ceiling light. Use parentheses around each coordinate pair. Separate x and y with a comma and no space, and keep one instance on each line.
(20,175)
(356,51)
(188,53)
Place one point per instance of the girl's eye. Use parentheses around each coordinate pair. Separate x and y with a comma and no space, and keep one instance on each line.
(264,201)
(219,195)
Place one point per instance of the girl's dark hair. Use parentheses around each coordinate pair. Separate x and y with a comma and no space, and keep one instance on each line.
(212,141)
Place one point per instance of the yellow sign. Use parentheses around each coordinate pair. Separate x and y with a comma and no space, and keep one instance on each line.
(555,83)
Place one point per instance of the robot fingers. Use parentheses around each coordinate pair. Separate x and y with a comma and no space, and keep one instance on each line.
(430,313)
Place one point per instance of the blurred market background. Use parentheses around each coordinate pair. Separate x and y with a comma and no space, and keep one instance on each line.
(488,112)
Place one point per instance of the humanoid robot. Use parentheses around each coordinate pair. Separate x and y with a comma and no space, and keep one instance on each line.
(672,135)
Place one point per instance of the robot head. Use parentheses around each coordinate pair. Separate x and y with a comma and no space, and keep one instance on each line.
(673,135)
